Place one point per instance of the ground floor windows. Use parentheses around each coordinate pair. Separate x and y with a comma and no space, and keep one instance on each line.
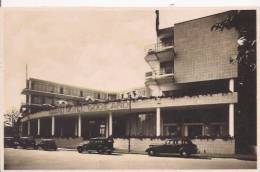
(172,123)
(119,126)
(216,129)
(196,122)
(140,125)
(194,130)
(66,127)
(171,130)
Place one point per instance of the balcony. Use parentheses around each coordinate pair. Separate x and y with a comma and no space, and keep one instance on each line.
(162,77)
(157,47)
(160,51)
(51,94)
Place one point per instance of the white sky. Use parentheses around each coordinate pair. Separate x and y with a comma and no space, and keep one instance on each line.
(100,48)
(132,3)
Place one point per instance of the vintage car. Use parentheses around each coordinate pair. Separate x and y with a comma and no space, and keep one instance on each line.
(99,144)
(9,142)
(47,145)
(24,142)
(184,147)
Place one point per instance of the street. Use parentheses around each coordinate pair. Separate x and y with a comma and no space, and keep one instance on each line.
(20,159)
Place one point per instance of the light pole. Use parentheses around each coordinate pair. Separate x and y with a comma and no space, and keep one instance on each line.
(129,123)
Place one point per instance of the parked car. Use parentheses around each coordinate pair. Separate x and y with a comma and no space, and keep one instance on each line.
(24,142)
(9,142)
(184,147)
(99,144)
(47,144)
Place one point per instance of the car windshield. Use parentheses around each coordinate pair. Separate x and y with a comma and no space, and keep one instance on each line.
(171,142)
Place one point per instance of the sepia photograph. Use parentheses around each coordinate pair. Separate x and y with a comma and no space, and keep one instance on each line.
(109,88)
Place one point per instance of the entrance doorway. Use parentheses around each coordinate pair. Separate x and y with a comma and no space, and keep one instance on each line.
(94,128)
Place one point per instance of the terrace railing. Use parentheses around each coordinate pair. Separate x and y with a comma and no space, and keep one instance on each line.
(158,47)
(140,103)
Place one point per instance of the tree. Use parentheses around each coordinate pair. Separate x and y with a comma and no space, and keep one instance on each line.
(244,22)
(12,122)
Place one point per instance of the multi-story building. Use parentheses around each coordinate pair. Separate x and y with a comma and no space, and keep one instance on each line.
(190,91)
(42,94)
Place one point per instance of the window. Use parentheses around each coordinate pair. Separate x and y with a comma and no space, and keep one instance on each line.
(61,90)
(98,95)
(194,130)
(215,130)
(166,67)
(36,100)
(102,129)
(168,93)
(171,130)
(111,96)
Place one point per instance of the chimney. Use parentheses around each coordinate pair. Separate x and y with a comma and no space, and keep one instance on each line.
(157,21)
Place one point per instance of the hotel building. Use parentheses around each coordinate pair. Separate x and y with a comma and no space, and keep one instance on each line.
(190,91)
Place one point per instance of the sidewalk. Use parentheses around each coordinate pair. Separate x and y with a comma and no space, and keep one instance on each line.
(248,157)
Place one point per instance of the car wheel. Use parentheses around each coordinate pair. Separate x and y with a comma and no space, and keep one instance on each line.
(109,152)
(184,153)
(100,151)
(19,147)
(80,150)
(151,152)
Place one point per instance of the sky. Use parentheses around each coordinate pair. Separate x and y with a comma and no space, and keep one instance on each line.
(99,48)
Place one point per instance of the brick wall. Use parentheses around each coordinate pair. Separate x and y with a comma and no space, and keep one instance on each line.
(66,142)
(217,146)
(201,54)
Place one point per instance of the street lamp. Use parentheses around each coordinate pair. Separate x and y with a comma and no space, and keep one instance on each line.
(129,123)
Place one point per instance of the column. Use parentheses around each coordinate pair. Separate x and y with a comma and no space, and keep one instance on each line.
(29,102)
(79,126)
(107,126)
(185,130)
(30,96)
(28,128)
(110,124)
(231,109)
(231,85)
(39,127)
(76,127)
(158,121)
(231,120)
(52,125)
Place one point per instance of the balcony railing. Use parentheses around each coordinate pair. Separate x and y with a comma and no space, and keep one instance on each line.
(158,47)
(164,71)
(150,76)
(140,104)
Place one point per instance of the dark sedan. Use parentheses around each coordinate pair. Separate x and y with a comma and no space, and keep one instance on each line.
(47,145)
(24,142)
(184,147)
(100,145)
(9,142)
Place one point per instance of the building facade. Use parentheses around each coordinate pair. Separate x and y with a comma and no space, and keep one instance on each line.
(189,92)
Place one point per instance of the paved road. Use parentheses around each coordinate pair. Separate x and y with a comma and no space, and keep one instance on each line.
(36,159)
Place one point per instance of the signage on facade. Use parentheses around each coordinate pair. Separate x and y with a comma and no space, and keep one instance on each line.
(92,108)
